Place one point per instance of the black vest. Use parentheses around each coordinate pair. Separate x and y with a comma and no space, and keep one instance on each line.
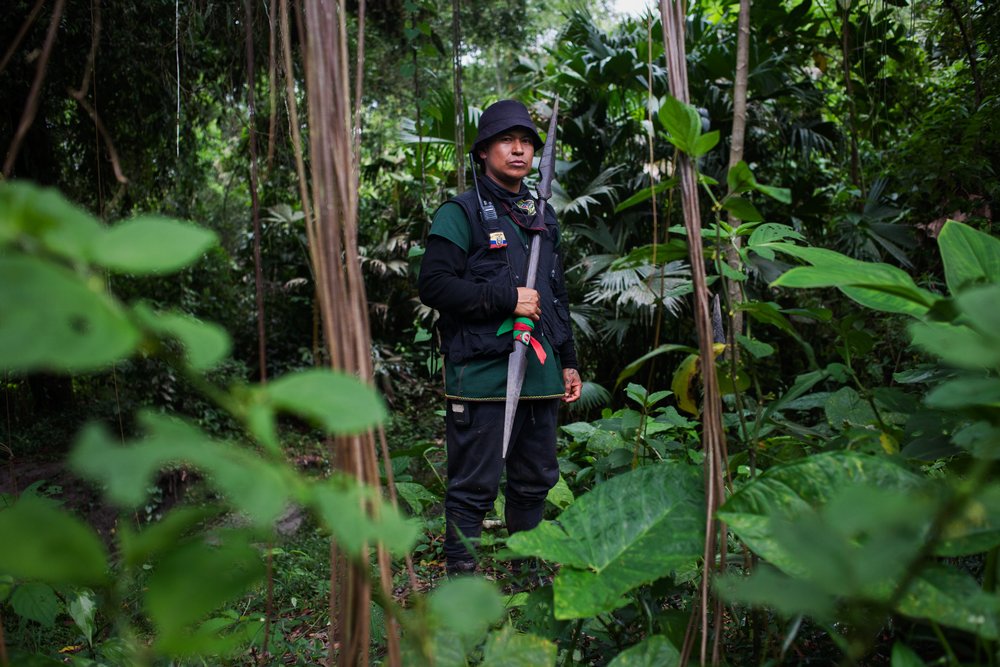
(463,339)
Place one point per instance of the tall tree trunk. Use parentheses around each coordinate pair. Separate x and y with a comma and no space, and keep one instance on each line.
(845,47)
(331,210)
(258,271)
(713,437)
(970,52)
(456,50)
(735,288)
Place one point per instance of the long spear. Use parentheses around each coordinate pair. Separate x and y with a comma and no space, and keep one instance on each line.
(517,361)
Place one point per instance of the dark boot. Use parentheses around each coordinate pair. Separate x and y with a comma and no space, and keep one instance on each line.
(461,568)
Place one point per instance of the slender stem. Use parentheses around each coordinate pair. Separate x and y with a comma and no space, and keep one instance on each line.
(255,203)
(945,644)
(572,643)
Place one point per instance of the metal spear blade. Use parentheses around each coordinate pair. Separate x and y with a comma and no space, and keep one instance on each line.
(518,360)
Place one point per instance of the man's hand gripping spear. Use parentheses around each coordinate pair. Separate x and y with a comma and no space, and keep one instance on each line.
(518,357)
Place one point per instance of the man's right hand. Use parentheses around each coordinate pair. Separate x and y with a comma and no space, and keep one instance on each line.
(528,304)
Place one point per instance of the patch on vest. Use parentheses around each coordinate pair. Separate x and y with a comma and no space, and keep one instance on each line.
(497,240)
(526,206)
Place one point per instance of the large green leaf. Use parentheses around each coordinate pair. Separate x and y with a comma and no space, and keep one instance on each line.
(976,529)
(739,178)
(82,608)
(44,543)
(508,648)
(52,320)
(771,232)
(681,122)
(634,367)
(152,245)
(769,587)
(956,344)
(970,257)
(357,516)
(972,338)
(337,402)
(466,606)
(43,213)
(879,286)
(137,548)
(980,438)
(796,489)
(742,209)
(261,489)
(36,602)
(193,580)
(953,598)
(846,407)
(645,194)
(608,547)
(904,656)
(205,344)
(968,392)
(979,306)
(655,651)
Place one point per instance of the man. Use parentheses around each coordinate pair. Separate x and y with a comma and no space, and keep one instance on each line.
(473,273)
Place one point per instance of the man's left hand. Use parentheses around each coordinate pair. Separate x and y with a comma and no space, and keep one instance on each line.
(573,384)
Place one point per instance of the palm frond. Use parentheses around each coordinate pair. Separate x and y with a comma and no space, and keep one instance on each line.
(592,395)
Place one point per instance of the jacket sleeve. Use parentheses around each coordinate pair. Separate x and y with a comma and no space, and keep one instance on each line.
(442,287)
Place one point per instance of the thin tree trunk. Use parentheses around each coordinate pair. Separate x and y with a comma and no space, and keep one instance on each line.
(258,270)
(969,51)
(272,84)
(713,436)
(735,288)
(845,43)
(332,226)
(456,50)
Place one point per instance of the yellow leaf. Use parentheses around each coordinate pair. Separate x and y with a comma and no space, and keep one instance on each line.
(889,444)
(685,374)
(681,384)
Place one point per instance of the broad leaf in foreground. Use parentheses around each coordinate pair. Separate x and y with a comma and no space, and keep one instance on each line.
(656,651)
(508,648)
(847,525)
(52,320)
(607,546)
(794,489)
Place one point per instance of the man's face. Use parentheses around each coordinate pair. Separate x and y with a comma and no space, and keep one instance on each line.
(508,157)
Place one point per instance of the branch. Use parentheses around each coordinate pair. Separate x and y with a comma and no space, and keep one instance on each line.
(31,107)
(28,22)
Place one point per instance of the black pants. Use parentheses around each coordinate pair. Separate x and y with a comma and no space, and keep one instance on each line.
(475,464)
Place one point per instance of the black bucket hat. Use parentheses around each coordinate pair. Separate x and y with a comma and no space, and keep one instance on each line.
(501,116)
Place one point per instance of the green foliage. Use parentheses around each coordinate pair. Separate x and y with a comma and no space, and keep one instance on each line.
(52,320)
(825,556)
(607,548)
(191,580)
(193,571)
(507,648)
(895,82)
(656,651)
(46,544)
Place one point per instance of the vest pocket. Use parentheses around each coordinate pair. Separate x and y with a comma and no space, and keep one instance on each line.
(479,340)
